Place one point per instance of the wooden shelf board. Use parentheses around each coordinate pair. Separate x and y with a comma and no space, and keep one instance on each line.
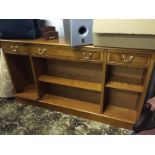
(120,113)
(112,114)
(70,103)
(127,65)
(124,86)
(29,93)
(71,83)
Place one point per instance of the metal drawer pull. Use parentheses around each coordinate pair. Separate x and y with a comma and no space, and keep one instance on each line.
(42,51)
(127,59)
(14,48)
(87,56)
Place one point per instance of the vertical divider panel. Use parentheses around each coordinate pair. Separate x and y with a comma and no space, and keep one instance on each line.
(34,74)
(39,65)
(145,87)
(102,99)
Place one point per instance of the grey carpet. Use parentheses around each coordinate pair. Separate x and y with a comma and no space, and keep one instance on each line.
(24,119)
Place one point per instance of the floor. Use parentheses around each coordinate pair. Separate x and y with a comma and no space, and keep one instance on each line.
(23,119)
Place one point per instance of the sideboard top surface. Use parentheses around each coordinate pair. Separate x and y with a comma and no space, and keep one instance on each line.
(59,41)
(62,42)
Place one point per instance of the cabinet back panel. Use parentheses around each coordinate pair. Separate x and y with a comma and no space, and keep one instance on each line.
(75,93)
(122,98)
(129,75)
(75,70)
(21,71)
(40,66)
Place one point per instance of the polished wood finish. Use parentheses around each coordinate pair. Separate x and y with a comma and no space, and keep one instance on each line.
(124,86)
(120,113)
(20,70)
(126,77)
(71,83)
(15,48)
(100,83)
(108,118)
(146,84)
(75,93)
(125,74)
(70,103)
(122,98)
(72,54)
(28,93)
(83,71)
(103,76)
(129,58)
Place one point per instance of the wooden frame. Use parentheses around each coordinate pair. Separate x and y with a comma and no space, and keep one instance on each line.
(104,84)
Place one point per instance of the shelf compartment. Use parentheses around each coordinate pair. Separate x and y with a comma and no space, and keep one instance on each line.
(71,83)
(122,98)
(70,103)
(130,75)
(120,113)
(20,70)
(28,93)
(124,86)
(112,112)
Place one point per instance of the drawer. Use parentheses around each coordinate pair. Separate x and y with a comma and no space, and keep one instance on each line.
(130,58)
(67,53)
(15,48)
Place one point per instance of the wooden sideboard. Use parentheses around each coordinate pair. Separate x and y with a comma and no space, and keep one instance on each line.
(100,83)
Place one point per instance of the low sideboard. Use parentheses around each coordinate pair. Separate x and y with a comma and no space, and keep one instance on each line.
(105,84)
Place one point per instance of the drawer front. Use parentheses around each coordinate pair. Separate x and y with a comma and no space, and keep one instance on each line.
(15,48)
(67,53)
(130,58)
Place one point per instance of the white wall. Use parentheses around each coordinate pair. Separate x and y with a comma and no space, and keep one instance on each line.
(124,26)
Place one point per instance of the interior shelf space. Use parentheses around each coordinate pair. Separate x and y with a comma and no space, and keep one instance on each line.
(22,76)
(94,86)
(69,103)
(124,86)
(120,113)
(74,80)
(123,76)
(122,98)
(77,71)
(29,93)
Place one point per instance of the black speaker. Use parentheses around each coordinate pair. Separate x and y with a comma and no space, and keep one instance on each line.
(19,29)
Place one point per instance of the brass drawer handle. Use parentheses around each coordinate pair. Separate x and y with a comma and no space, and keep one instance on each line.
(42,51)
(87,56)
(11,47)
(127,59)
(14,48)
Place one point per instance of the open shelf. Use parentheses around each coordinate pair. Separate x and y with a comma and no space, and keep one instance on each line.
(28,93)
(119,113)
(70,103)
(124,86)
(94,86)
